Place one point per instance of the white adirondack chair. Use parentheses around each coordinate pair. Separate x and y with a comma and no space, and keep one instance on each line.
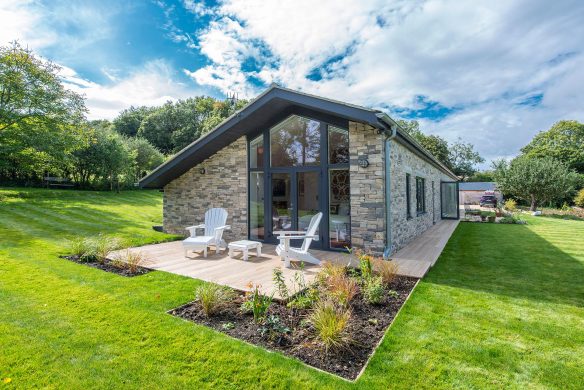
(214,226)
(287,252)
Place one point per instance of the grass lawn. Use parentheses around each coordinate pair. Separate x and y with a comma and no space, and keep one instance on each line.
(503,307)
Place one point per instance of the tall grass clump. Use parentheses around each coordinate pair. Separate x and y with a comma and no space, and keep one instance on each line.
(212,298)
(330,322)
(386,269)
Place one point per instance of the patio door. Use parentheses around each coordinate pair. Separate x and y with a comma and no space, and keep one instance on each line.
(449,200)
(294,200)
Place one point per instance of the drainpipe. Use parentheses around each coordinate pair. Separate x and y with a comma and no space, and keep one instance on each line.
(387,148)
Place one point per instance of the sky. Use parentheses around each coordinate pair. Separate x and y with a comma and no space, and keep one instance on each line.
(493,73)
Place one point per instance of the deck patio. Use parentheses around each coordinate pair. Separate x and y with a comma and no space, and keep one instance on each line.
(413,260)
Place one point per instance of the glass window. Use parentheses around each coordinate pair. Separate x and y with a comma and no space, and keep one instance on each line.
(308,200)
(281,201)
(420,195)
(256,205)
(338,145)
(339,209)
(408,196)
(295,142)
(256,152)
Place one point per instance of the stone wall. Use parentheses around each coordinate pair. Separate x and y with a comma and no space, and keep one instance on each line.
(404,161)
(367,188)
(224,184)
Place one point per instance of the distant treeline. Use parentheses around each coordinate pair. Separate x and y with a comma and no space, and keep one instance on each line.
(44,131)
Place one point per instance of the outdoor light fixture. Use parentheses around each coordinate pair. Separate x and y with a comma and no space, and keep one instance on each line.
(203,171)
(363,161)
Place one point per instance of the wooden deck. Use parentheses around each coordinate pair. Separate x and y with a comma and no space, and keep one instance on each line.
(413,260)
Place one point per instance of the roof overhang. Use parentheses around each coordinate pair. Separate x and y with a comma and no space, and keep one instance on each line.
(273,104)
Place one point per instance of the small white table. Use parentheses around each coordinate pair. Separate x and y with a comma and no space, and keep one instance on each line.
(244,246)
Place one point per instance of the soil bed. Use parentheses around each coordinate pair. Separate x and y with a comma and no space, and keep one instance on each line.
(367,326)
(108,266)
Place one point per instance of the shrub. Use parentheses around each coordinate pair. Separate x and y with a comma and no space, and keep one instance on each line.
(341,288)
(387,269)
(508,220)
(129,260)
(329,269)
(280,283)
(256,303)
(274,328)
(510,205)
(104,245)
(304,300)
(373,290)
(330,323)
(212,297)
(579,199)
(365,266)
(79,246)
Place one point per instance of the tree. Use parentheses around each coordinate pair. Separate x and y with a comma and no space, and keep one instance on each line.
(30,89)
(129,120)
(482,176)
(145,157)
(434,144)
(40,121)
(535,180)
(463,159)
(564,141)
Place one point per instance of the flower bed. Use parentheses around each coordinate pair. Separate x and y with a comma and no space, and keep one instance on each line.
(113,266)
(321,325)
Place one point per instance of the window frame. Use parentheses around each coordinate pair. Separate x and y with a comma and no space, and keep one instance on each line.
(420,195)
(408,196)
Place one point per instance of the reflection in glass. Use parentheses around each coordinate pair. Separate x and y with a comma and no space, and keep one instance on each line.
(339,209)
(449,200)
(256,152)
(307,198)
(256,205)
(338,145)
(295,142)
(281,202)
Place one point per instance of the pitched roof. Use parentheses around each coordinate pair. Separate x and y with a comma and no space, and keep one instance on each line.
(269,106)
(477,186)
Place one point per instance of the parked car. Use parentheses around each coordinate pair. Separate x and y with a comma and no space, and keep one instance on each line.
(488,201)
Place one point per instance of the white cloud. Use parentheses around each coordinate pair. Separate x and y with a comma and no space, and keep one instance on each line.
(22,21)
(152,85)
(482,57)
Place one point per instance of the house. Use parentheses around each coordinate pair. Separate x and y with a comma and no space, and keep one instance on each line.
(287,155)
(471,192)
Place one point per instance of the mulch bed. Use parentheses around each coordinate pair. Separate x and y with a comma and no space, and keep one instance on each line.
(367,326)
(108,266)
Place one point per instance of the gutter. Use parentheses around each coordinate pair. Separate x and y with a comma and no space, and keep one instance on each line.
(390,134)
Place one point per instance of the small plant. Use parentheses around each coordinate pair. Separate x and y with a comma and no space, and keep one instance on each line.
(330,322)
(579,199)
(373,290)
(228,326)
(304,300)
(510,205)
(373,321)
(212,298)
(508,220)
(281,283)
(274,329)
(129,260)
(79,246)
(103,246)
(342,289)
(365,266)
(329,269)
(387,269)
(392,294)
(256,303)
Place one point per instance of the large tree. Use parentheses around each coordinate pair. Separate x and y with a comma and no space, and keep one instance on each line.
(564,141)
(535,180)
(464,159)
(40,120)
(129,120)
(435,144)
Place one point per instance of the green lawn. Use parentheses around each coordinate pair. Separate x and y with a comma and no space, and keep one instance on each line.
(503,307)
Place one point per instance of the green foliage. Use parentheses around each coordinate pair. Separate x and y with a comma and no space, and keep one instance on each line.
(510,205)
(128,121)
(274,328)
(330,322)
(212,298)
(365,265)
(535,180)
(305,299)
(373,290)
(579,199)
(484,176)
(280,283)
(436,145)
(257,303)
(564,141)
(463,158)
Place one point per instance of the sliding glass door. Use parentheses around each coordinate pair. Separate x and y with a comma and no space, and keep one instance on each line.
(449,200)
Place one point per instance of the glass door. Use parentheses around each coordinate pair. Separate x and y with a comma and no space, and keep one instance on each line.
(449,200)
(282,206)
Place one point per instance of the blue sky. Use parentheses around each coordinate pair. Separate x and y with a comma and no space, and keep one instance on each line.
(491,72)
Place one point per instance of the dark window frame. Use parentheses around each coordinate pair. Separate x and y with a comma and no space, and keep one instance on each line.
(420,195)
(408,196)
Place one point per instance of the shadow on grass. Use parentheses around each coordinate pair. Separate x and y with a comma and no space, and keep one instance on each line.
(511,260)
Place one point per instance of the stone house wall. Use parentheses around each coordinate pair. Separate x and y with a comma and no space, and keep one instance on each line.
(224,184)
(404,161)
(367,188)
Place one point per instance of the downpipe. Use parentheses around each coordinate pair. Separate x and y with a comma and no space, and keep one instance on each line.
(387,149)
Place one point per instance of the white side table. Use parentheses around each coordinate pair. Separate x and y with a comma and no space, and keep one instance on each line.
(244,246)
